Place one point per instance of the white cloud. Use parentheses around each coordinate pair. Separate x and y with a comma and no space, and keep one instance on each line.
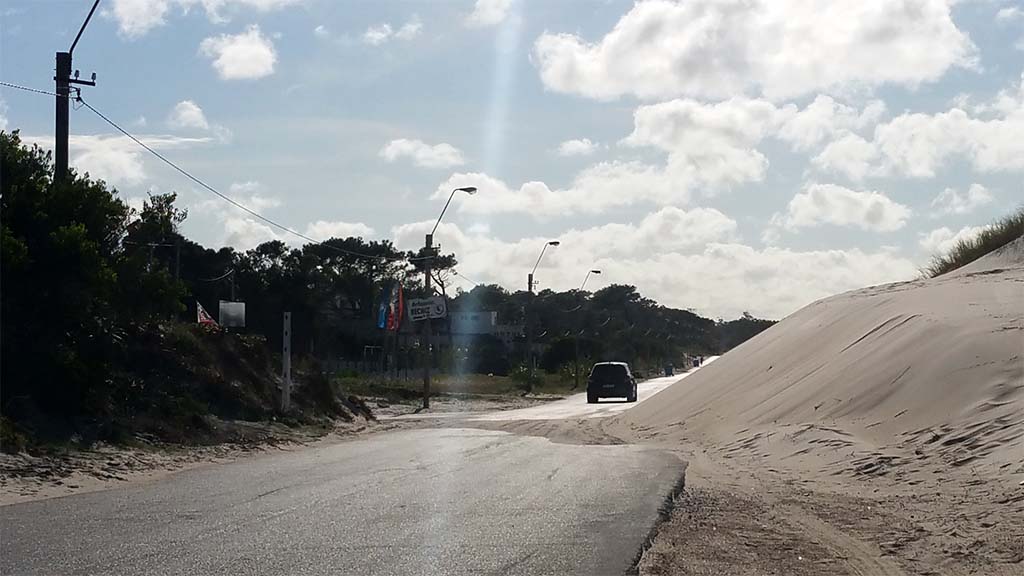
(323,230)
(488,13)
(684,259)
(942,240)
(596,189)
(918,145)
(779,48)
(577,147)
(245,233)
(716,143)
(140,122)
(244,56)
(377,34)
(187,114)
(441,155)
(952,201)
(848,154)
(410,29)
(831,204)
(713,142)
(114,159)
(137,17)
(3,114)
(381,33)
(321,31)
(1009,14)
(824,118)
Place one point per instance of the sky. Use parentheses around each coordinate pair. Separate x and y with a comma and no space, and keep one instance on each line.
(721,155)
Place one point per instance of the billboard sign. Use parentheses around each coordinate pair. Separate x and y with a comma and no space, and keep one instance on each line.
(232,314)
(423,308)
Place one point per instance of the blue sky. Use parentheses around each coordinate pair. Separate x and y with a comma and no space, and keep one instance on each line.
(722,156)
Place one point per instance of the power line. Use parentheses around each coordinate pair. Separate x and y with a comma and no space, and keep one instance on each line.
(27,89)
(206,186)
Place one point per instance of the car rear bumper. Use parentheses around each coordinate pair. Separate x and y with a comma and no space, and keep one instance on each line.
(610,390)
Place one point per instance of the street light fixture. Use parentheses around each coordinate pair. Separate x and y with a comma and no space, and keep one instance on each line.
(427,334)
(588,278)
(468,190)
(530,360)
(576,338)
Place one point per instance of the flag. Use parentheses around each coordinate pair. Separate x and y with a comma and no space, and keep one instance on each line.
(382,313)
(396,308)
(202,316)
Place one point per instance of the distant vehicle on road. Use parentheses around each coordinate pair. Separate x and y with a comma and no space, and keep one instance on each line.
(611,380)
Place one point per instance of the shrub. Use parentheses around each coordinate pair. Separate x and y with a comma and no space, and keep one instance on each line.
(992,237)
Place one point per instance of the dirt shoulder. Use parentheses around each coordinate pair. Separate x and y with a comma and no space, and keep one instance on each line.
(56,472)
(744,516)
(63,471)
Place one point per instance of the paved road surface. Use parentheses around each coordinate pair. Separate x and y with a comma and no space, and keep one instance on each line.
(574,406)
(418,502)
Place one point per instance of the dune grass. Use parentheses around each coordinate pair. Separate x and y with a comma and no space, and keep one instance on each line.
(994,236)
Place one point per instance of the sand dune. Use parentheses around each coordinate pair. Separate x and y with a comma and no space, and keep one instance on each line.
(930,368)
(907,398)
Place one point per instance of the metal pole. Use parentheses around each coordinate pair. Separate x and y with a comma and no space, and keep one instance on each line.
(286,363)
(427,336)
(576,372)
(60,150)
(529,332)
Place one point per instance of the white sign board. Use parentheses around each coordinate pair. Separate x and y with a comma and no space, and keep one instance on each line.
(232,314)
(423,308)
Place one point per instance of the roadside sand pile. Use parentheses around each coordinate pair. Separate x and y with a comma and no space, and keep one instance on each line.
(879,431)
(884,380)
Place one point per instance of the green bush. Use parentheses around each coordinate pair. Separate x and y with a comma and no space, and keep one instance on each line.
(995,236)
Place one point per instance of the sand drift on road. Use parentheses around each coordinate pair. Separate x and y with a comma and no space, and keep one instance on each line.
(910,395)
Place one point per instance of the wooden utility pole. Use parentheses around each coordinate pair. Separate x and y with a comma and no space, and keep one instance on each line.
(427,340)
(63,81)
(286,363)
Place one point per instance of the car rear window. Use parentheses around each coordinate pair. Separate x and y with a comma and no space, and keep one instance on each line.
(608,371)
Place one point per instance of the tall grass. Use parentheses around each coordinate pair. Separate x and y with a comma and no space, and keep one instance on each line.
(992,237)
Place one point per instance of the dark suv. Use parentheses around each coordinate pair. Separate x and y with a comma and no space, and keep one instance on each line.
(611,380)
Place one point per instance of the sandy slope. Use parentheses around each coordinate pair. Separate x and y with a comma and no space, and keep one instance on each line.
(908,395)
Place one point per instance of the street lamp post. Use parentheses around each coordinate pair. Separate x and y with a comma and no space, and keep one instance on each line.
(530,360)
(426,336)
(576,339)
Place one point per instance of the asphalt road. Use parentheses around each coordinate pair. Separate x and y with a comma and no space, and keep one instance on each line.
(417,502)
(575,406)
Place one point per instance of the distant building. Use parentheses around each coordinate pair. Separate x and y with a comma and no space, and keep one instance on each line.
(467,325)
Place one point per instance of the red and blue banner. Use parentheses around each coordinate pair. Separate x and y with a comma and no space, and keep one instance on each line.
(389,317)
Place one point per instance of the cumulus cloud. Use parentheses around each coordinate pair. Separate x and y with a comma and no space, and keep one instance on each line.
(324,230)
(681,258)
(246,56)
(918,145)
(488,13)
(952,201)
(779,48)
(114,159)
(716,143)
(425,155)
(137,17)
(594,190)
(577,147)
(942,240)
(824,118)
(187,114)
(381,33)
(821,204)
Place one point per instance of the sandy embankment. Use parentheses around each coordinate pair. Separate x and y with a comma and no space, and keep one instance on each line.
(878,431)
